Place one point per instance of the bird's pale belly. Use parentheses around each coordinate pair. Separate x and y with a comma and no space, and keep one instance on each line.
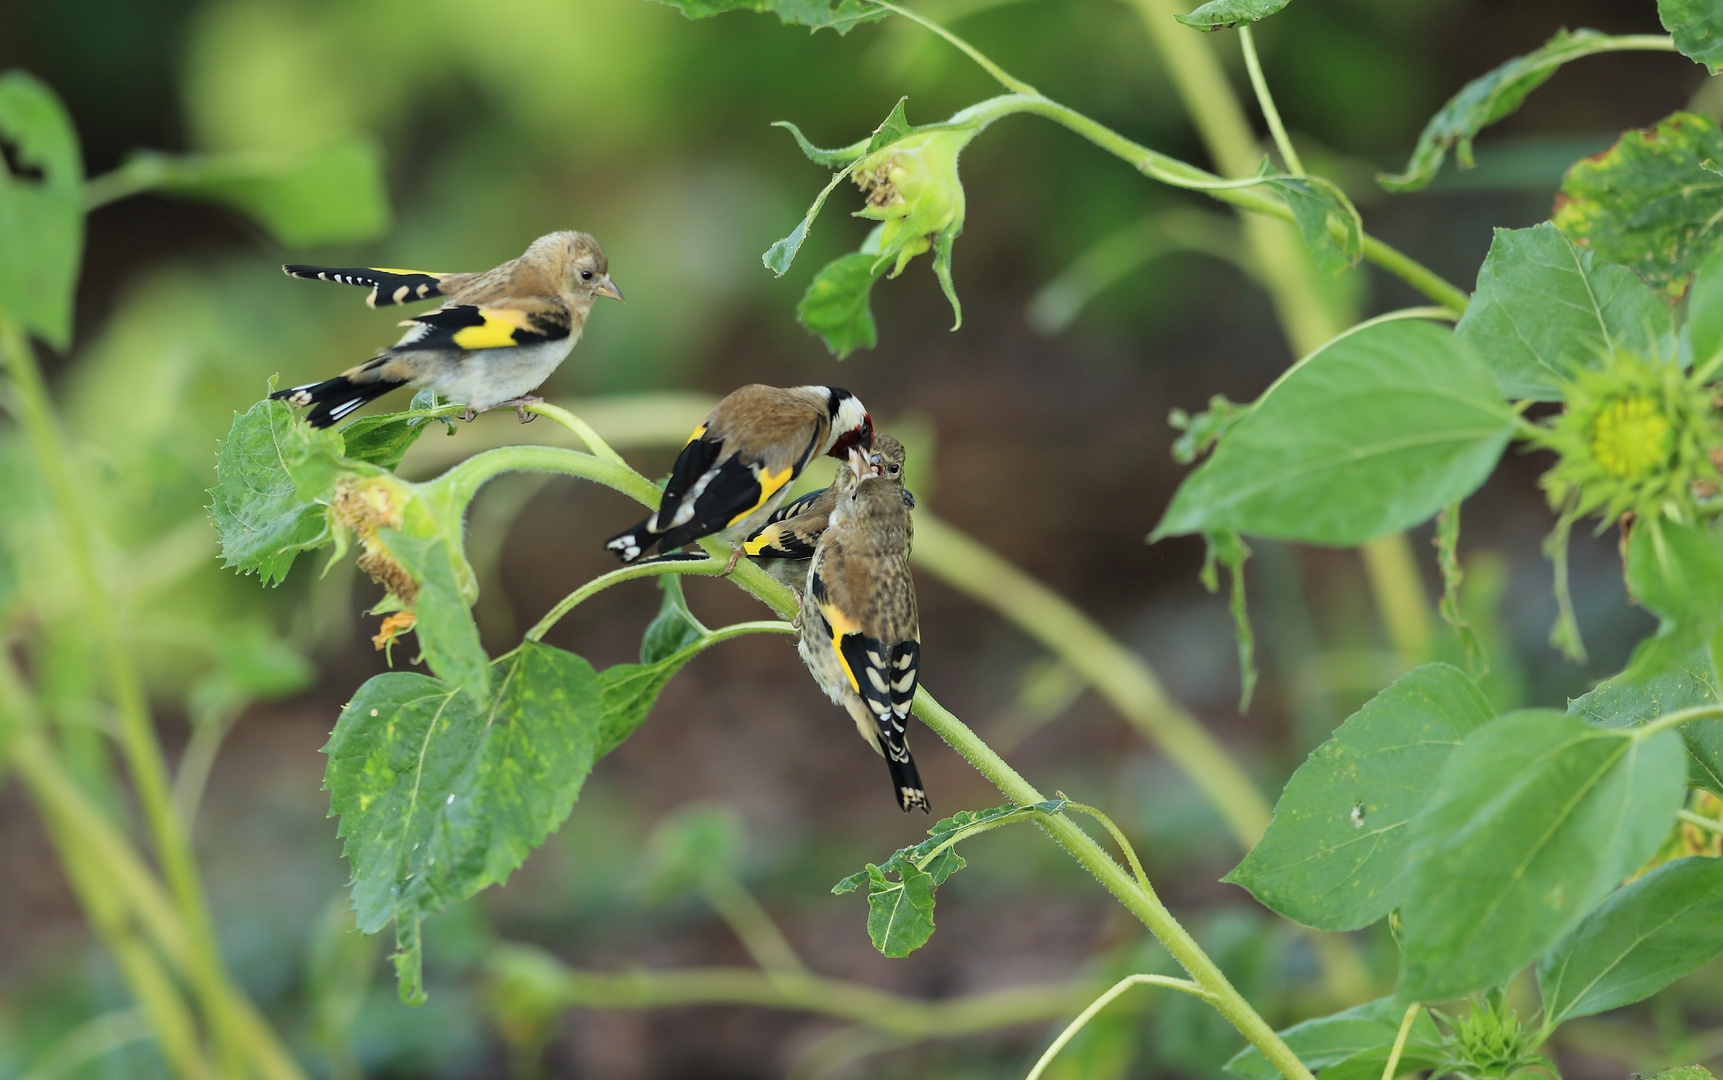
(484,378)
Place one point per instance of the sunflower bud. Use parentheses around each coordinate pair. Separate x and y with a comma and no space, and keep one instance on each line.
(912,188)
(1638,435)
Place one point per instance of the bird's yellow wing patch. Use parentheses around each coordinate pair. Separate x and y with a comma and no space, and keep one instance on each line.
(699,431)
(765,538)
(770,484)
(842,625)
(496,332)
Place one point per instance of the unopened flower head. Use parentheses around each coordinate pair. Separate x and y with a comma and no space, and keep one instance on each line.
(1637,436)
(912,187)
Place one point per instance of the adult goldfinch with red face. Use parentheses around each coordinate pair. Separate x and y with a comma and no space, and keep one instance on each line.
(738,464)
(498,335)
(783,546)
(860,635)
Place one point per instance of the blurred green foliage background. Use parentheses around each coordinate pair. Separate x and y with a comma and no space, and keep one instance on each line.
(494,123)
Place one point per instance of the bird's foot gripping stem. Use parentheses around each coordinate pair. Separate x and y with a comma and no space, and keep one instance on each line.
(519,405)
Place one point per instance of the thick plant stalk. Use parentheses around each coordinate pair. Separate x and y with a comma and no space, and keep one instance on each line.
(138,741)
(101,860)
(1289,277)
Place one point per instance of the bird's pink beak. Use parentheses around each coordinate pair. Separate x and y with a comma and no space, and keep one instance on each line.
(608,288)
(858,462)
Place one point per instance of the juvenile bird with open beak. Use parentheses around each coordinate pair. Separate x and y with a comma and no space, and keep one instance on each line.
(783,546)
(738,464)
(860,634)
(498,335)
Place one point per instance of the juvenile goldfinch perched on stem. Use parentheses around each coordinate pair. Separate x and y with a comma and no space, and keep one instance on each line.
(783,546)
(861,637)
(497,336)
(739,463)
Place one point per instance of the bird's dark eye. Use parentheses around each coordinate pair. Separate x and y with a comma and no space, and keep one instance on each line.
(586,275)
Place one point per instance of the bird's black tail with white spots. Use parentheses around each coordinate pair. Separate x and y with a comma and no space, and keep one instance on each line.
(630,546)
(333,400)
(905,777)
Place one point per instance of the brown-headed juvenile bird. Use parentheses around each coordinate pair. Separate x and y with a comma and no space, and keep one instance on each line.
(497,336)
(739,463)
(783,546)
(861,637)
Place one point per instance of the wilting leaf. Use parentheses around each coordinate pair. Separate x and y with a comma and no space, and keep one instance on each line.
(831,159)
(1485,100)
(1314,202)
(1651,201)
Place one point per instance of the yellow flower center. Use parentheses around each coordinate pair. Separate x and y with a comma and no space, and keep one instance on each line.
(1630,437)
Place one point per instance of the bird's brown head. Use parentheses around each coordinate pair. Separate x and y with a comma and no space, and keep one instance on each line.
(887,458)
(584,271)
(873,513)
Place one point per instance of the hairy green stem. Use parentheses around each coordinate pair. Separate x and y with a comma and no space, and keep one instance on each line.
(703,568)
(615,577)
(594,442)
(1118,838)
(143,753)
(1265,100)
(1184,986)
